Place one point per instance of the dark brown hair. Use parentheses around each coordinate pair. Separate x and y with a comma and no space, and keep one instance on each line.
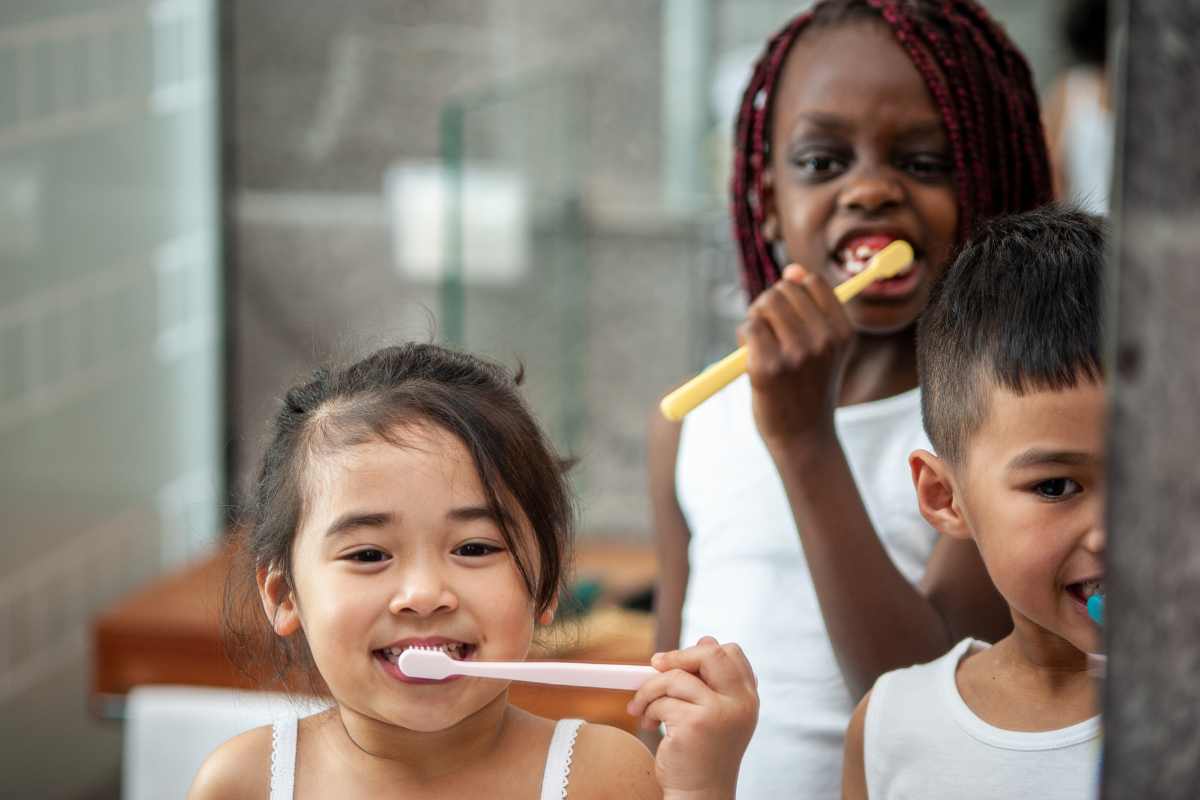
(1020,308)
(979,81)
(374,399)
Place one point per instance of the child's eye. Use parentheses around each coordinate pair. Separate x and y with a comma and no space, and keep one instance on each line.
(1057,488)
(370,555)
(476,549)
(818,164)
(927,166)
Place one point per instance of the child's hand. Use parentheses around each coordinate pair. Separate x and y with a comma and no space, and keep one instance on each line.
(798,337)
(707,697)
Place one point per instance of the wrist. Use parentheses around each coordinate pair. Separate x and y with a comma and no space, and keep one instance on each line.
(803,449)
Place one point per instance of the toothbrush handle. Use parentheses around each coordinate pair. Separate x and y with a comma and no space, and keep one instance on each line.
(679,403)
(560,673)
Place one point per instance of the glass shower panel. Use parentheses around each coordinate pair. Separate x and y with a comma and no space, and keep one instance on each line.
(110,344)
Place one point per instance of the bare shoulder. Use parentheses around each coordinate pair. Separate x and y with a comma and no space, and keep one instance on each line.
(610,763)
(240,768)
(854,773)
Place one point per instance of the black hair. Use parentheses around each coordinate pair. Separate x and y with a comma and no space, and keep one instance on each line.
(376,398)
(1085,31)
(1019,308)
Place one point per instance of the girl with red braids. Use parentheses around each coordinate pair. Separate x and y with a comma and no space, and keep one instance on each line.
(784,509)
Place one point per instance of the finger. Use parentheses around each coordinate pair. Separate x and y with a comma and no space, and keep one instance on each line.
(668,711)
(790,321)
(762,348)
(738,656)
(816,302)
(709,660)
(675,683)
(822,296)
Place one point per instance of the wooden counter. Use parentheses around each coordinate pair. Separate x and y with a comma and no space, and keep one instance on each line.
(169,633)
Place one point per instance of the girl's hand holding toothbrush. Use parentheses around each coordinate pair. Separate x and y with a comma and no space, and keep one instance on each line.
(706,696)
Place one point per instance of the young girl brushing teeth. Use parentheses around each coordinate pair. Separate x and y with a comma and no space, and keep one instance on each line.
(411,500)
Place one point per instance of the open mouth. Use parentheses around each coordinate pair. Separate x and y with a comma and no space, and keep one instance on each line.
(459,651)
(1081,591)
(855,255)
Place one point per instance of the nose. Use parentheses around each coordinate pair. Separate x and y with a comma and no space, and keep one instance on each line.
(423,592)
(870,190)
(1095,540)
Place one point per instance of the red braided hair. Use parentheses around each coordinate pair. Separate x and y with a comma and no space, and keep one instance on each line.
(979,81)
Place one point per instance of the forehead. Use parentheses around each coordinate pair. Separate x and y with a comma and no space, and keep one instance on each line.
(423,464)
(855,70)
(1068,419)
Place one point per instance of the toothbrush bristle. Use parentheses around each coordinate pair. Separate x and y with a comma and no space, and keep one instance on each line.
(425,662)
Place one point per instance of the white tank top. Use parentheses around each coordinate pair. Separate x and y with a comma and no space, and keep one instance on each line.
(922,740)
(555,777)
(749,582)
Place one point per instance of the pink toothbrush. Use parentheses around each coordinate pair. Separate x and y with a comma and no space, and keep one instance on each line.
(432,663)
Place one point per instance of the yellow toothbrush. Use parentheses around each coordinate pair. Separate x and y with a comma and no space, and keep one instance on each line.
(886,263)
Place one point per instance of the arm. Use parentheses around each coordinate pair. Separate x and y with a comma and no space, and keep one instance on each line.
(799,337)
(671,541)
(854,773)
(876,619)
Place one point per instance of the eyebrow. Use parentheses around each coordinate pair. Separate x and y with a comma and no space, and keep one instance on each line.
(359,519)
(380,519)
(471,513)
(1036,457)
(827,120)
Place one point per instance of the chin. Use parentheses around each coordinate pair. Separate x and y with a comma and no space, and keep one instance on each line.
(1088,643)
(882,325)
(428,718)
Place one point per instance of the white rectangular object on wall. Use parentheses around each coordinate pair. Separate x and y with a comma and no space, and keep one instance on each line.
(494,213)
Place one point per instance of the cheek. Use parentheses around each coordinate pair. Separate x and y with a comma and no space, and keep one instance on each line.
(939,208)
(1025,567)
(505,611)
(337,615)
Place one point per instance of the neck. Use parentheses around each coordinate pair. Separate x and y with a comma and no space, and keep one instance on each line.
(879,367)
(420,755)
(1044,657)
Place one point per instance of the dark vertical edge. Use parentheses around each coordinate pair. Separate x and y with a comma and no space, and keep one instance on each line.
(228,160)
(1152,614)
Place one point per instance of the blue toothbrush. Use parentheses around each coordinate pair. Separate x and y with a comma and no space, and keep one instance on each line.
(1095,607)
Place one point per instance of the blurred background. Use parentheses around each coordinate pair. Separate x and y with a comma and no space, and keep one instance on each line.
(200,200)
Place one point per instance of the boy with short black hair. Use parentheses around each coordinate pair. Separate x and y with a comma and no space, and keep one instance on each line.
(1013,401)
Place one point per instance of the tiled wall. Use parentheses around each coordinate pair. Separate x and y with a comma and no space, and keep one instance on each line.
(109,342)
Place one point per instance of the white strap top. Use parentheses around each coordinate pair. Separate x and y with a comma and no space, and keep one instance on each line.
(555,777)
(921,739)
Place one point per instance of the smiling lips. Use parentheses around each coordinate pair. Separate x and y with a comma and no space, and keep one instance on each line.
(1081,591)
(456,649)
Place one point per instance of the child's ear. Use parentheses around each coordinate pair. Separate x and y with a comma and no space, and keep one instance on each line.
(770,223)
(547,616)
(937,494)
(278,601)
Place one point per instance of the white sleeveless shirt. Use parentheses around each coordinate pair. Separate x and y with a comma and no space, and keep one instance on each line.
(749,582)
(555,776)
(921,740)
